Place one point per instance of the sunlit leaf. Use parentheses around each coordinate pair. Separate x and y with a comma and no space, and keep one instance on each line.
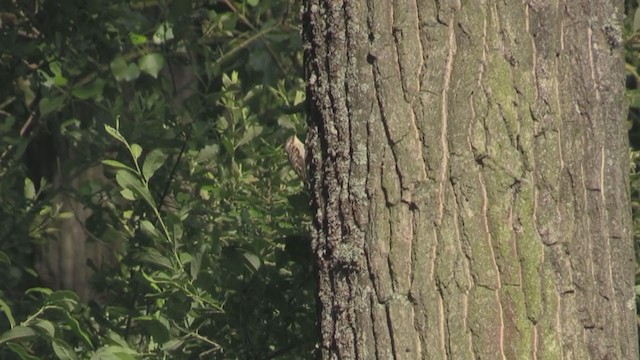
(152,163)
(124,71)
(118,165)
(137,39)
(163,34)
(29,189)
(114,133)
(252,260)
(129,181)
(136,151)
(128,194)
(151,64)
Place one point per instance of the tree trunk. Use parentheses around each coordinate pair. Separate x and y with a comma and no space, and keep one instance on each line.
(469,175)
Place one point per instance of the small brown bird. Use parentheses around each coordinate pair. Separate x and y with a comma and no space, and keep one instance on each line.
(297,156)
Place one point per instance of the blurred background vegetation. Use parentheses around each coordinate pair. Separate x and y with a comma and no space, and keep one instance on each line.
(152,131)
(142,140)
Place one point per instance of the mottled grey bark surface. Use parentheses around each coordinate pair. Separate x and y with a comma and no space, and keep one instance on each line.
(469,174)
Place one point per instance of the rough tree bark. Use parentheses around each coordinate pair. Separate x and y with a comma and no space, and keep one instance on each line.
(469,175)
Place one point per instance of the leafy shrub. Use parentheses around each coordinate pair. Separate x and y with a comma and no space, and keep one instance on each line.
(184,105)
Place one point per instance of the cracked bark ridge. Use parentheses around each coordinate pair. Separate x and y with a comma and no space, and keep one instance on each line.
(469,176)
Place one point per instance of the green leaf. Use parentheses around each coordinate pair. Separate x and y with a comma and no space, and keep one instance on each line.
(252,260)
(196,262)
(115,133)
(39,290)
(57,79)
(137,39)
(208,154)
(228,81)
(128,194)
(4,258)
(92,90)
(251,133)
(172,345)
(115,338)
(299,98)
(153,256)
(151,64)
(77,329)
(65,299)
(49,105)
(22,351)
(286,122)
(18,333)
(222,123)
(65,215)
(64,295)
(7,123)
(159,330)
(177,231)
(150,230)
(46,327)
(7,311)
(185,257)
(163,34)
(29,189)
(114,352)
(63,350)
(128,181)
(136,151)
(152,163)
(123,71)
(118,165)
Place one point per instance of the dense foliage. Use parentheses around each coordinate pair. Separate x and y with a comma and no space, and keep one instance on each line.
(183,107)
